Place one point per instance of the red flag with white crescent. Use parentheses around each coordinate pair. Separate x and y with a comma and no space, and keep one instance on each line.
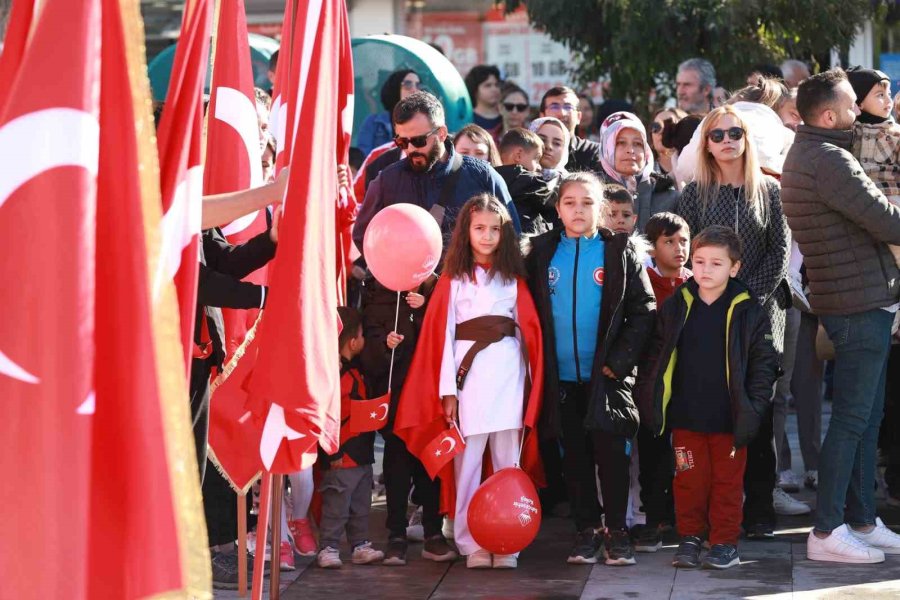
(295,385)
(49,140)
(369,415)
(233,145)
(179,140)
(278,116)
(441,450)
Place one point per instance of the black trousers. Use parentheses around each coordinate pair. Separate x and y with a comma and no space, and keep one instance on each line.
(657,468)
(588,454)
(199,390)
(759,476)
(401,471)
(889,435)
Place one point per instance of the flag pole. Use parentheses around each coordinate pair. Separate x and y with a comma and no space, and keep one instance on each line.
(277,499)
(242,544)
(262,531)
(394,349)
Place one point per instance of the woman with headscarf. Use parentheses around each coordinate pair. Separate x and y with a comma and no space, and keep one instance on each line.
(555,136)
(627,159)
(378,129)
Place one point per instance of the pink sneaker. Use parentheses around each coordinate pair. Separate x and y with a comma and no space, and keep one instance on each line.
(304,541)
(287,557)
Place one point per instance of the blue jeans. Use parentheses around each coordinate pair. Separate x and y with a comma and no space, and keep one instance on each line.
(846,491)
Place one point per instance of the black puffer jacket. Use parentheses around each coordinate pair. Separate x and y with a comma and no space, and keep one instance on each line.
(534,199)
(627,312)
(752,360)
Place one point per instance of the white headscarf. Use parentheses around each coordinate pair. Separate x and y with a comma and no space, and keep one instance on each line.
(612,126)
(560,168)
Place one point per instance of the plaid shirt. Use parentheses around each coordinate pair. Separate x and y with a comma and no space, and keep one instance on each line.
(877,148)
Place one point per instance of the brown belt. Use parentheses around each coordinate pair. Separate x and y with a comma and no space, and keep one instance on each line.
(484,331)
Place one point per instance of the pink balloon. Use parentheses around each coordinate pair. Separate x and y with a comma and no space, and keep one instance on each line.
(505,513)
(402,246)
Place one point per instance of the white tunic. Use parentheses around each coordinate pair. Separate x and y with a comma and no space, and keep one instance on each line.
(492,395)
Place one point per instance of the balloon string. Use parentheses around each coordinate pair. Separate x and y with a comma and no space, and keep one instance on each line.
(394,349)
(521,445)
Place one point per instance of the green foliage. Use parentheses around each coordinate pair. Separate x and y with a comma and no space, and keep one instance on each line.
(639,43)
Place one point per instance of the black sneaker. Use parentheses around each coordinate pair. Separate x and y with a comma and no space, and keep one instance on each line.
(760,531)
(721,556)
(587,544)
(395,553)
(438,549)
(648,539)
(225,571)
(688,554)
(618,550)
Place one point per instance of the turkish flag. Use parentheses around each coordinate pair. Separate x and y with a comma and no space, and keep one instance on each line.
(143,482)
(233,145)
(279,113)
(441,450)
(49,138)
(295,385)
(179,140)
(369,415)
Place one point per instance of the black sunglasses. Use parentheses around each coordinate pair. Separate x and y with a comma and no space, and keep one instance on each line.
(656,127)
(718,135)
(418,141)
(515,107)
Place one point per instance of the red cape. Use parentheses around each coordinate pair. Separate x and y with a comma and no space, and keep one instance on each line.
(420,415)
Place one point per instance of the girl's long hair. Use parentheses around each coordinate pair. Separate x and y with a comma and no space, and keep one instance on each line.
(478,135)
(707,176)
(507,260)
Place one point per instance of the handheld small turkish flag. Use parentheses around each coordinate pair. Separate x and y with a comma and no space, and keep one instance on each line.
(369,415)
(441,450)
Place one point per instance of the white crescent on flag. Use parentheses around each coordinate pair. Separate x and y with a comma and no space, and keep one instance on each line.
(452,443)
(35,143)
(180,223)
(384,406)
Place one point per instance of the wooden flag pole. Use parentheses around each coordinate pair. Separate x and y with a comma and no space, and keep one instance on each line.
(259,560)
(242,544)
(277,499)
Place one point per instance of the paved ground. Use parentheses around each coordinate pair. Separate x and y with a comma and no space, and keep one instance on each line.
(773,570)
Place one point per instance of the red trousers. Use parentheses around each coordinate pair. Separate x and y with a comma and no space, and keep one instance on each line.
(708,485)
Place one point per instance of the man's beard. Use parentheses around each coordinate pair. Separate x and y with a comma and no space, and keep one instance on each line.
(430,159)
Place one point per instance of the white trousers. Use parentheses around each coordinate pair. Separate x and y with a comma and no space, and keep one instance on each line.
(467,466)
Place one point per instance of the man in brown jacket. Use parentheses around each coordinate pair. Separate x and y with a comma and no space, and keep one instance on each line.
(843,225)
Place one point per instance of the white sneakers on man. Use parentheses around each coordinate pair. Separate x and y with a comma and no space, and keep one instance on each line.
(785,504)
(842,546)
(881,537)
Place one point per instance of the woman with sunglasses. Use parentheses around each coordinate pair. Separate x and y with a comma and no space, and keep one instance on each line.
(377,128)
(628,160)
(731,189)
(662,155)
(514,107)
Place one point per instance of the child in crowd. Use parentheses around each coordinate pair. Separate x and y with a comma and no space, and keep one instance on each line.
(478,364)
(876,137)
(669,237)
(618,209)
(520,152)
(597,311)
(346,485)
(711,367)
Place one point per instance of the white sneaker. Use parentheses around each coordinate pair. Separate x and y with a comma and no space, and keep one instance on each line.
(786,505)
(811,480)
(788,481)
(881,537)
(505,561)
(447,528)
(365,554)
(329,558)
(414,531)
(843,547)
(480,559)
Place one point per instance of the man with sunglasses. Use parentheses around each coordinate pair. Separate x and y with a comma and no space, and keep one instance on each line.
(561,102)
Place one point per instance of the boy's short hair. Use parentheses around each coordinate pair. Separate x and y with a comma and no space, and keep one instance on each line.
(617,194)
(519,137)
(664,223)
(351,321)
(721,237)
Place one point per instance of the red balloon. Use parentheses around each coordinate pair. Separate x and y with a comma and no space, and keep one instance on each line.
(505,514)
(402,246)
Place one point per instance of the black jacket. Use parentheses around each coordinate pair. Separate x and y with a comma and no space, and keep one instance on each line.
(584,155)
(222,266)
(534,198)
(752,360)
(627,312)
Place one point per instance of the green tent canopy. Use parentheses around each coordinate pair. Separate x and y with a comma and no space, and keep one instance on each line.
(375,57)
(261,49)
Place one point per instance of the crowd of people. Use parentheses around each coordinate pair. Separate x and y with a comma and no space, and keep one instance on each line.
(629,316)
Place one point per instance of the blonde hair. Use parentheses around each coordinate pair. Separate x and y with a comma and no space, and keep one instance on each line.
(707,176)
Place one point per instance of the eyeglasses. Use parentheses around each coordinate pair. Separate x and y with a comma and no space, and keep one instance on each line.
(718,135)
(556,106)
(656,127)
(411,85)
(418,141)
(515,107)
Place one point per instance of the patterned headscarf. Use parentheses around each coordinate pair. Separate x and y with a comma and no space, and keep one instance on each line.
(609,133)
